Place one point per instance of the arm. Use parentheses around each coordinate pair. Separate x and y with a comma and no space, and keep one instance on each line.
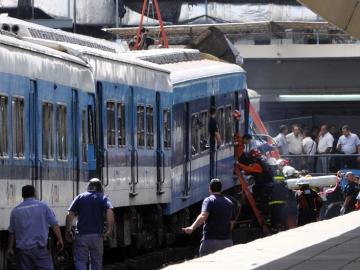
(60,242)
(347,201)
(69,223)
(110,222)
(201,218)
(252,168)
(218,138)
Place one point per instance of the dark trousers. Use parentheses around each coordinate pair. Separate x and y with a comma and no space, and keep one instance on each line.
(37,257)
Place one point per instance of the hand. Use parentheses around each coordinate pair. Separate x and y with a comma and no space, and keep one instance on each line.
(69,236)
(187,230)
(60,244)
(10,254)
(107,234)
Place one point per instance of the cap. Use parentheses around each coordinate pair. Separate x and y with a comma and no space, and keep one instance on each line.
(348,173)
(288,171)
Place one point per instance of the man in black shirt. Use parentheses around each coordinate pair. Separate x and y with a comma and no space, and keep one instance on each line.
(217,215)
(350,193)
(214,138)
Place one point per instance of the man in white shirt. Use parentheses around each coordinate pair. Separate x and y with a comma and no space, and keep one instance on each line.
(325,145)
(348,144)
(281,141)
(294,140)
(309,148)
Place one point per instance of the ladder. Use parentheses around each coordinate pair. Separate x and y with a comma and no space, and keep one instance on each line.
(164,39)
(245,187)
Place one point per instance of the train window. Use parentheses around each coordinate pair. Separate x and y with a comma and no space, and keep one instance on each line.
(121,124)
(167,128)
(18,127)
(220,116)
(194,134)
(203,130)
(83,136)
(90,125)
(61,132)
(3,126)
(228,125)
(110,116)
(47,131)
(149,127)
(140,126)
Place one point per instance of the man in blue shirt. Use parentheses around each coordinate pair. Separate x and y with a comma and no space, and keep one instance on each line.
(217,215)
(90,208)
(29,228)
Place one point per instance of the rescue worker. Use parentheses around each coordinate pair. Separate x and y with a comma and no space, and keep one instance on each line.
(29,228)
(217,215)
(214,138)
(350,193)
(308,202)
(90,208)
(263,177)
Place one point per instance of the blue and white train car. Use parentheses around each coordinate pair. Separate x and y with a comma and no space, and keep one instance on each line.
(44,95)
(199,82)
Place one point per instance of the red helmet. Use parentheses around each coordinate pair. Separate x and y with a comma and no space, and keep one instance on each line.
(255,153)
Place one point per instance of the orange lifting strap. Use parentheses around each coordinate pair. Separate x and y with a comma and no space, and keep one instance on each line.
(164,40)
(239,149)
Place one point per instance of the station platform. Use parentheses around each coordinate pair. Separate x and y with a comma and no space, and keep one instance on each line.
(325,245)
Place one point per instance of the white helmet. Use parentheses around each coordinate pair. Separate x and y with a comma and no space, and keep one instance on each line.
(288,171)
(271,161)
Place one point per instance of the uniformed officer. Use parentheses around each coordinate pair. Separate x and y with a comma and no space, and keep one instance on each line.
(350,193)
(90,208)
(29,228)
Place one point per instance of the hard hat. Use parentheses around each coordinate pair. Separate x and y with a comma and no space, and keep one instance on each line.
(237,114)
(348,173)
(288,171)
(282,162)
(303,182)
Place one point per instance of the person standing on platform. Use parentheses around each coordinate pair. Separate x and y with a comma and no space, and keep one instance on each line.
(217,215)
(281,141)
(29,228)
(350,193)
(90,208)
(325,144)
(214,138)
(294,140)
(349,144)
(309,149)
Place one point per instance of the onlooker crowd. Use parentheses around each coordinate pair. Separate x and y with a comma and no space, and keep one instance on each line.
(304,145)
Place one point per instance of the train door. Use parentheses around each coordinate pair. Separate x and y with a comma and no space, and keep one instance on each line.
(52,129)
(84,116)
(143,143)
(163,141)
(226,125)
(112,109)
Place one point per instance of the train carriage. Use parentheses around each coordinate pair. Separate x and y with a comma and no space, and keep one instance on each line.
(41,134)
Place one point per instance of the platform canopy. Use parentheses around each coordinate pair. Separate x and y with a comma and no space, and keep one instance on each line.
(343,13)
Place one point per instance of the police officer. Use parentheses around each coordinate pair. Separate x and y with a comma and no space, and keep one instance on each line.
(308,202)
(29,228)
(90,208)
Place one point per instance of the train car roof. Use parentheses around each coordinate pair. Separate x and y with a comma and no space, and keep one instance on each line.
(41,63)
(187,64)
(116,67)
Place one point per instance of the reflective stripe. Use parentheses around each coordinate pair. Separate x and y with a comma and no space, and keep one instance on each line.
(277,202)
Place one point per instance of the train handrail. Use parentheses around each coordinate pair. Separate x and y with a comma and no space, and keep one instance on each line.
(137,166)
(163,166)
(106,152)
